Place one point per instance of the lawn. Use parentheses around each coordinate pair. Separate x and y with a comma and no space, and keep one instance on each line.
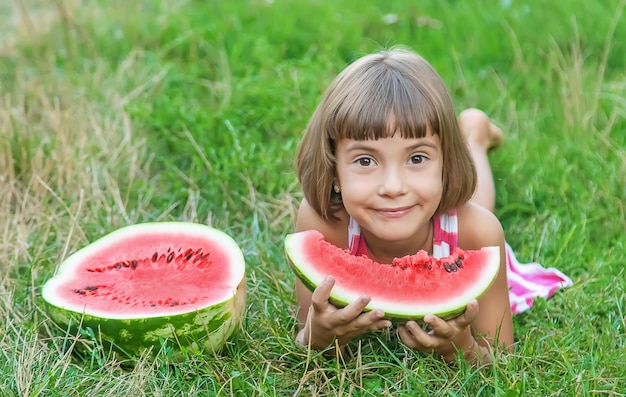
(118,112)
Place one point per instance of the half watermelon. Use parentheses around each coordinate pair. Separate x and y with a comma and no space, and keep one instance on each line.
(153,285)
(409,288)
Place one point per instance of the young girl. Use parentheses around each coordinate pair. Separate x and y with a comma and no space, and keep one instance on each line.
(388,170)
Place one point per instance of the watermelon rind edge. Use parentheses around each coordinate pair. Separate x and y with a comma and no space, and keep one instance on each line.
(393,311)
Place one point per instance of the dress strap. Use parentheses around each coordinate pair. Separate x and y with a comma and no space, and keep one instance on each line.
(354,237)
(446,234)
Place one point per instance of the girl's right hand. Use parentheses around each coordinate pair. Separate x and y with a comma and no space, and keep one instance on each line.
(326,323)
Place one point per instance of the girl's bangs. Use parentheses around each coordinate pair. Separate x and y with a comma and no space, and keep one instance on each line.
(379,107)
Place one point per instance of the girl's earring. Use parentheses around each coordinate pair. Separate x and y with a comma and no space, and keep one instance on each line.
(336,189)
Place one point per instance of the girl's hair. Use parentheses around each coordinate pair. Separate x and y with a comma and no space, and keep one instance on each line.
(391,91)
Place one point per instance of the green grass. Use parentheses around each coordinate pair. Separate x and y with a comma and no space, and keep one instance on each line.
(116,112)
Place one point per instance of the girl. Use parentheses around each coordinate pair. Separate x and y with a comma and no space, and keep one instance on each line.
(386,171)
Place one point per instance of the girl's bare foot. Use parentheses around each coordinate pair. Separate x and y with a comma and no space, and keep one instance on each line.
(479,130)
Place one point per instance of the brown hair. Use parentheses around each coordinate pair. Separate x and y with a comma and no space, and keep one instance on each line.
(374,97)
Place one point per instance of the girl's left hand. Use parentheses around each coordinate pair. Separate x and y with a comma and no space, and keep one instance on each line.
(444,337)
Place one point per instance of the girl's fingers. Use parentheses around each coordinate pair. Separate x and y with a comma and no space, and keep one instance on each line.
(321,294)
(374,320)
(447,329)
(412,335)
(469,315)
(353,310)
(438,326)
(405,337)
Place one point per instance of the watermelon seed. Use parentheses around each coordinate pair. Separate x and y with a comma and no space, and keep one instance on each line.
(133,264)
(118,266)
(459,262)
(155,256)
(170,257)
(174,303)
(91,288)
(449,267)
(80,291)
(189,256)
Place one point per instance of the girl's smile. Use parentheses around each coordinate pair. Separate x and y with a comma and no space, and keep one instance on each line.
(394,212)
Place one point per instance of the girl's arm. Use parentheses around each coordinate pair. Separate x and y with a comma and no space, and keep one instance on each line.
(479,228)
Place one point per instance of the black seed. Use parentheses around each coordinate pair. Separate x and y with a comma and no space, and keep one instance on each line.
(118,266)
(91,288)
(90,270)
(453,267)
(80,291)
(189,256)
(170,257)
(174,303)
(155,257)
(459,263)
(447,267)
(133,264)
(152,305)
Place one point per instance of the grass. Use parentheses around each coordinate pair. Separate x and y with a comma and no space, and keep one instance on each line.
(116,112)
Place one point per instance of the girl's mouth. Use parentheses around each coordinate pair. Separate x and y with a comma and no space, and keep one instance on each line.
(394,212)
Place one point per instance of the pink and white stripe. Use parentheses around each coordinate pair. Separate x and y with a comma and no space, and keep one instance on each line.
(528,281)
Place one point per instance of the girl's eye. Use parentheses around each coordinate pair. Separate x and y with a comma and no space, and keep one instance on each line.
(365,161)
(417,159)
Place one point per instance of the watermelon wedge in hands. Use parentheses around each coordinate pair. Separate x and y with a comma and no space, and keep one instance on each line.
(173,285)
(407,289)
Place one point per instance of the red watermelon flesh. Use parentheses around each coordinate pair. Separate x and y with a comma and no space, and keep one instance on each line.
(409,288)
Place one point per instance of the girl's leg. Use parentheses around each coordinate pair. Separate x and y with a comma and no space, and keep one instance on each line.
(482,136)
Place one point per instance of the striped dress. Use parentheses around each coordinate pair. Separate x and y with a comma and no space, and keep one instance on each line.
(527,281)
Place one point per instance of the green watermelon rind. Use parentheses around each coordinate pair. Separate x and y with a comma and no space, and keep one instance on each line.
(204,328)
(201,331)
(395,312)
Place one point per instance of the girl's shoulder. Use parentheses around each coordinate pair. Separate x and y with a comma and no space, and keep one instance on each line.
(478,227)
(335,232)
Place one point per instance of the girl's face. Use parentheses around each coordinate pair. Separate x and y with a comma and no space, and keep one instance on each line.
(391,186)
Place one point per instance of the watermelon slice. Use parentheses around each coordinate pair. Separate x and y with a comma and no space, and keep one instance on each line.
(410,288)
(147,285)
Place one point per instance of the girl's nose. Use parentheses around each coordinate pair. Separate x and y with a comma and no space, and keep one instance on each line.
(392,183)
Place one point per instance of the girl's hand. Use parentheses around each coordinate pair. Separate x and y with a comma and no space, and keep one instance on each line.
(444,337)
(326,323)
